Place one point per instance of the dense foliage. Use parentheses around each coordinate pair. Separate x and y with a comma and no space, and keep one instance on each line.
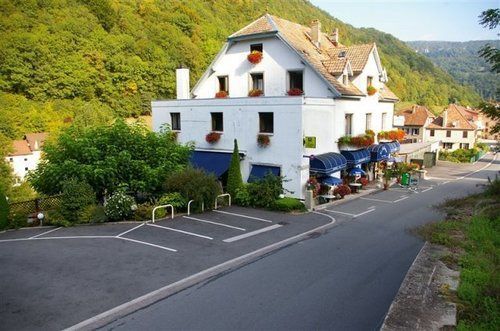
(59,57)
(4,210)
(288,204)
(107,156)
(461,60)
(76,195)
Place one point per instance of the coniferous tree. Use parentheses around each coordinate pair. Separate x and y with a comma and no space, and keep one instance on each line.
(234,179)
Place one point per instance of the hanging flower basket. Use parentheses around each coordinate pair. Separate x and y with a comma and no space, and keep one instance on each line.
(212,137)
(295,91)
(371,90)
(254,57)
(255,93)
(263,140)
(221,94)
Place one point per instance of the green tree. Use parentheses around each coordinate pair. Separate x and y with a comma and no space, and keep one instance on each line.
(234,179)
(107,156)
(4,210)
(76,195)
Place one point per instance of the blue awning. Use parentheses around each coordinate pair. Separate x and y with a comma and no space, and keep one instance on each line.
(357,171)
(327,163)
(213,162)
(329,180)
(260,171)
(379,152)
(393,146)
(356,157)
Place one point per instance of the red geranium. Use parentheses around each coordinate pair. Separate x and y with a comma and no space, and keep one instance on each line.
(255,93)
(263,140)
(254,57)
(342,190)
(221,94)
(295,91)
(212,137)
(371,90)
(363,181)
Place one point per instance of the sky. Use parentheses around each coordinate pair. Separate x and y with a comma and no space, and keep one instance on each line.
(450,20)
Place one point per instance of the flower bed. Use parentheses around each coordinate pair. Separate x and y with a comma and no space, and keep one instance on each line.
(263,140)
(391,135)
(254,57)
(255,93)
(342,190)
(221,94)
(212,137)
(295,91)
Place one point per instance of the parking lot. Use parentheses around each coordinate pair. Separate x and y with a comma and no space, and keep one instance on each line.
(57,277)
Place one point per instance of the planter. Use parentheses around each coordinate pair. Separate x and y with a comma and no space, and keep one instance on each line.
(348,148)
(255,93)
(212,137)
(254,57)
(370,90)
(221,94)
(263,140)
(295,92)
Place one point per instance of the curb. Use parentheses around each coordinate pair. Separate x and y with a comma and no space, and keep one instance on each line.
(150,298)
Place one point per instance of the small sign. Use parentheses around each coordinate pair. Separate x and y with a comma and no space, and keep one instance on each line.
(310,142)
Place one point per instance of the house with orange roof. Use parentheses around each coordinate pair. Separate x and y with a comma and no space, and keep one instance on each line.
(415,120)
(456,127)
(287,92)
(26,154)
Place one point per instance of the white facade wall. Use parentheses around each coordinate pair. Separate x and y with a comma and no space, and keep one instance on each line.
(22,164)
(277,60)
(456,137)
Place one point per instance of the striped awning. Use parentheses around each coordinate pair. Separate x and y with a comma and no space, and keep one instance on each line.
(327,163)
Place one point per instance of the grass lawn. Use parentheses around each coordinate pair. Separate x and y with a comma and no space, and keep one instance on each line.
(471,231)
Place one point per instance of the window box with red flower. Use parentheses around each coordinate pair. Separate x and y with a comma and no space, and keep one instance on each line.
(221,94)
(263,140)
(347,143)
(255,57)
(212,137)
(371,90)
(393,135)
(295,91)
(255,93)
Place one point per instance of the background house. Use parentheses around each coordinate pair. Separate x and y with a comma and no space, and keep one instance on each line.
(26,154)
(415,120)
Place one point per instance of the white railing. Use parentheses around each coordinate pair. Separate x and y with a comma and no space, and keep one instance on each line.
(223,195)
(189,206)
(159,207)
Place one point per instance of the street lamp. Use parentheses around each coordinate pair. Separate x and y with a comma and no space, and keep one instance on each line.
(40,217)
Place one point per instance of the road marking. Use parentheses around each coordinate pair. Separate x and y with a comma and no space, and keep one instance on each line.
(121,234)
(401,199)
(340,212)
(365,212)
(147,244)
(379,200)
(445,182)
(67,237)
(41,234)
(181,231)
(245,216)
(214,223)
(253,233)
(427,189)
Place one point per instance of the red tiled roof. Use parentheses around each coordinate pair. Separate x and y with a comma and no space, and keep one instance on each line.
(36,140)
(20,147)
(455,119)
(415,115)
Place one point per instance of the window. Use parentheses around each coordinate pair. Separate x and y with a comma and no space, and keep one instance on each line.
(348,124)
(257,82)
(448,133)
(345,79)
(384,116)
(266,122)
(465,134)
(415,131)
(25,159)
(223,83)
(464,145)
(368,121)
(369,81)
(256,47)
(296,80)
(432,133)
(447,145)
(175,120)
(25,168)
(11,159)
(217,124)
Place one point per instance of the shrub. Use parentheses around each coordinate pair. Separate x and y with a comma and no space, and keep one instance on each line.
(242,197)
(76,195)
(175,199)
(264,192)
(93,214)
(288,204)
(144,212)
(295,91)
(194,184)
(212,137)
(263,140)
(363,181)
(221,94)
(4,211)
(342,190)
(255,57)
(119,206)
(54,217)
(234,179)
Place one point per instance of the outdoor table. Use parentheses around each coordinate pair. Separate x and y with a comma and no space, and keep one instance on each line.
(327,197)
(355,187)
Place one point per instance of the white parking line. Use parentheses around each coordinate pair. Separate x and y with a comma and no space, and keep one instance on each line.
(41,234)
(181,231)
(147,244)
(245,216)
(379,200)
(427,189)
(365,212)
(214,223)
(253,233)
(401,199)
(352,215)
(121,234)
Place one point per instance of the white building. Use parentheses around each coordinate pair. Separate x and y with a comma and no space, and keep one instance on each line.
(26,154)
(334,82)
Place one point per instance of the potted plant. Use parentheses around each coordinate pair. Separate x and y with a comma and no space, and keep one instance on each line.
(363,181)
(295,91)
(254,57)
(255,93)
(371,90)
(263,140)
(212,137)
(342,190)
(388,175)
(221,94)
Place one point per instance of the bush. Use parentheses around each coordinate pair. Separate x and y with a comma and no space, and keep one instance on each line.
(119,206)
(93,214)
(194,184)
(76,196)
(175,199)
(289,204)
(55,217)
(4,211)
(265,192)
(342,190)
(242,197)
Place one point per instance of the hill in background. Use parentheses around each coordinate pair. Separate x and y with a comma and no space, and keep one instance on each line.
(461,60)
(64,59)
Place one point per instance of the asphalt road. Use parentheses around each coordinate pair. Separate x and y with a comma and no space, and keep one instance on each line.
(345,279)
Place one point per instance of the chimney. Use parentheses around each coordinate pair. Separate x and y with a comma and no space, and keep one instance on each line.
(335,37)
(182,82)
(445,117)
(316,33)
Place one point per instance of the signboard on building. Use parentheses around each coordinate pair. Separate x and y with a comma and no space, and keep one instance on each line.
(310,142)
